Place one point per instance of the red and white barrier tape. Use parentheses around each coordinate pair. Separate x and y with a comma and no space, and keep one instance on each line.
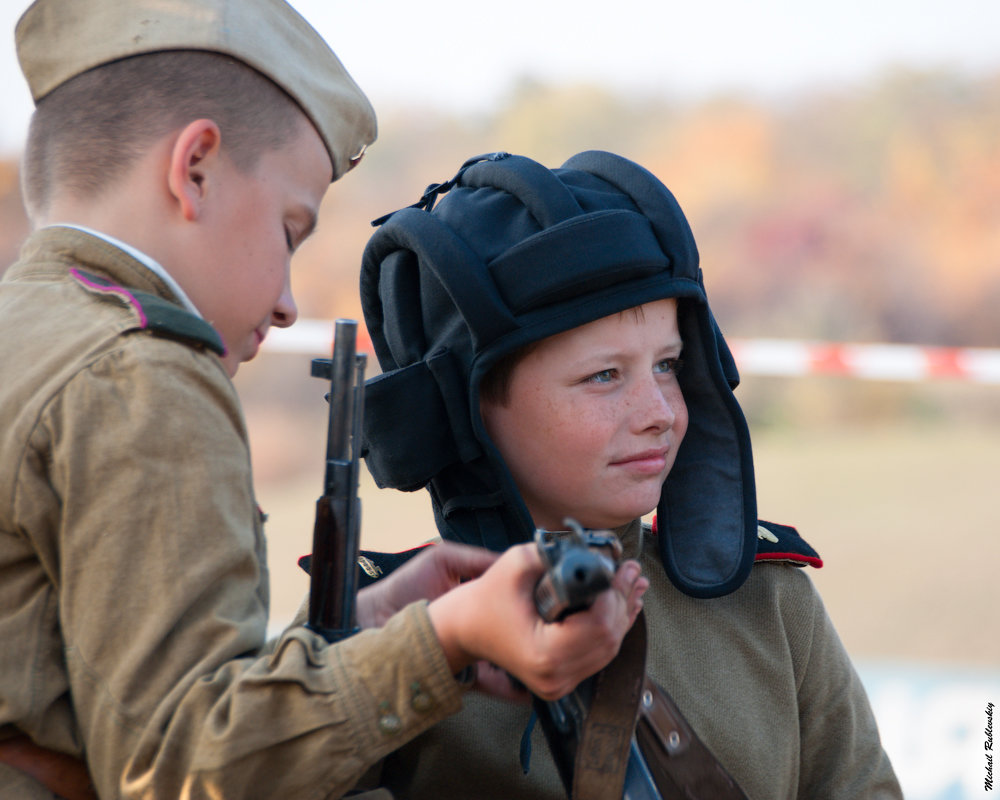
(887,362)
(783,357)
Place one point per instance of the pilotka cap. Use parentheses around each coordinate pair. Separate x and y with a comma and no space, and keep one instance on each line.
(60,39)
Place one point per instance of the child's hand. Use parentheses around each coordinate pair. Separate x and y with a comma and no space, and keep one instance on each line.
(493,618)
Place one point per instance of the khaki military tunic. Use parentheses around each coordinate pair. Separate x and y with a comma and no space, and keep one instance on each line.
(133,580)
(760,674)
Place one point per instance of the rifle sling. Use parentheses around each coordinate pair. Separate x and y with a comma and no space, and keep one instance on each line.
(602,756)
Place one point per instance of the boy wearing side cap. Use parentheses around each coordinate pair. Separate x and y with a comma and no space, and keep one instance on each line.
(177,157)
(550,329)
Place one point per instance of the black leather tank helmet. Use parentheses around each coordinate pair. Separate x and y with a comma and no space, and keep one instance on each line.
(510,252)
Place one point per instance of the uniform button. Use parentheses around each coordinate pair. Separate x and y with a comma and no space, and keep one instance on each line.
(390,724)
(421,701)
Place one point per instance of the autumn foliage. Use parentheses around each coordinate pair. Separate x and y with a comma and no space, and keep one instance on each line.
(862,214)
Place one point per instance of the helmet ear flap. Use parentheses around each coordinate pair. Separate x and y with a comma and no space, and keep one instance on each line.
(405,456)
(399,340)
(707,514)
(729,368)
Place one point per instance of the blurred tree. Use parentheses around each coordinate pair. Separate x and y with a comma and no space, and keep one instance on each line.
(855,214)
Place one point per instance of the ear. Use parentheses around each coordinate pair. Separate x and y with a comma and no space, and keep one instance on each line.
(194,154)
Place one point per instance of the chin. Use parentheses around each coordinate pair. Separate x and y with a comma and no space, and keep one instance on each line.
(641,502)
(614,519)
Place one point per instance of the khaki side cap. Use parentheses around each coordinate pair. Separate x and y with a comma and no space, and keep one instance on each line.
(60,39)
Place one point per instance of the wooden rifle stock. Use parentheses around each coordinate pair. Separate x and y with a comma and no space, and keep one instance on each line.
(333,571)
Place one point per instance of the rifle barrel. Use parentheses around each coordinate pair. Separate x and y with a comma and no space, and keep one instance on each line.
(338,437)
(336,534)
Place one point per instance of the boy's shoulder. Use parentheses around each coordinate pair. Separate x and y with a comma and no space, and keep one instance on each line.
(775,543)
(151,313)
(784,544)
(373,565)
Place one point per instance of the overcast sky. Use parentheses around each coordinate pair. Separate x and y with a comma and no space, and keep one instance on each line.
(463,55)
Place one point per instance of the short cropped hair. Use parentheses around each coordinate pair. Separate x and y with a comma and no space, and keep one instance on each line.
(89,131)
(494,388)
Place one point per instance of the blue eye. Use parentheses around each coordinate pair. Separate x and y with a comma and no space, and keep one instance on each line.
(288,241)
(604,376)
(668,366)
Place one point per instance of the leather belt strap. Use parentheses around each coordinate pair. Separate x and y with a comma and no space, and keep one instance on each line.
(681,764)
(627,702)
(602,756)
(60,773)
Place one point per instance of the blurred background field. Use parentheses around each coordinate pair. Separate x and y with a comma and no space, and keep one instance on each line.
(902,509)
(852,196)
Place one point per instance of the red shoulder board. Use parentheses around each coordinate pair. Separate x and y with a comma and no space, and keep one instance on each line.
(780,543)
(783,543)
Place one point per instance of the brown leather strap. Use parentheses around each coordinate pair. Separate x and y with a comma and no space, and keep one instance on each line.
(602,757)
(628,702)
(681,764)
(62,774)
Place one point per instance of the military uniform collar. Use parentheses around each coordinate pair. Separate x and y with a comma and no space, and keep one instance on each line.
(147,261)
(52,251)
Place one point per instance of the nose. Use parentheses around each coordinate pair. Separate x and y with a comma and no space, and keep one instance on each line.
(285,311)
(654,406)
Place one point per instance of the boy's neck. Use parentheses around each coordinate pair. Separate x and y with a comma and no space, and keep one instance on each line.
(147,261)
(133,208)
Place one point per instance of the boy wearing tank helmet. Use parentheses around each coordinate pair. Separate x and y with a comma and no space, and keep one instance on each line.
(548,352)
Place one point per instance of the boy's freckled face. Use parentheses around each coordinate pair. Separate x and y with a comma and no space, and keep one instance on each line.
(260,217)
(594,418)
